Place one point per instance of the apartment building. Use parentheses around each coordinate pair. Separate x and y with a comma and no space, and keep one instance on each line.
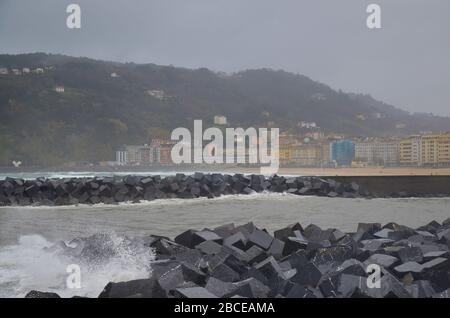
(286,154)
(312,154)
(342,152)
(435,150)
(377,152)
(410,150)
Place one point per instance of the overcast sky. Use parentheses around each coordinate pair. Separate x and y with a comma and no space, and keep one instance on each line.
(406,63)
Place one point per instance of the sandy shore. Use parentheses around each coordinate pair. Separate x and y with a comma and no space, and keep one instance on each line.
(370,171)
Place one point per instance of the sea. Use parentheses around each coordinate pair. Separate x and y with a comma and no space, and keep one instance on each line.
(30,257)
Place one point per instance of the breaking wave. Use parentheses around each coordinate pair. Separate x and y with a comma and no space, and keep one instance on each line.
(34,263)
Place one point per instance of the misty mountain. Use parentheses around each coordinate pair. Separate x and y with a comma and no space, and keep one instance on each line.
(106,104)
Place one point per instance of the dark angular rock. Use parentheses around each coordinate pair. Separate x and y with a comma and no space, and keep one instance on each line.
(205,235)
(410,254)
(444,294)
(376,244)
(193,274)
(237,240)
(308,275)
(165,246)
(336,235)
(260,238)
(224,273)
(328,287)
(189,256)
(297,260)
(169,274)
(293,244)
(370,228)
(276,249)
(335,254)
(300,291)
(437,263)
(386,261)
(409,267)
(209,247)
(193,292)
(145,288)
(269,268)
(255,254)
(434,254)
(39,294)
(390,288)
(186,239)
(314,233)
(421,289)
(220,288)
(225,231)
(351,286)
(353,267)
(249,288)
(288,231)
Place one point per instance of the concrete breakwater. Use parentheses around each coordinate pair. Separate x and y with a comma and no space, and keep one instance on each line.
(295,262)
(131,188)
(401,186)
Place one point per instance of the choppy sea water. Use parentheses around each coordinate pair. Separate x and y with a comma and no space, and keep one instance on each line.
(26,231)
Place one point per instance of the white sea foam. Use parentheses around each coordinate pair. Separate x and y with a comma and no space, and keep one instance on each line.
(28,266)
(164,202)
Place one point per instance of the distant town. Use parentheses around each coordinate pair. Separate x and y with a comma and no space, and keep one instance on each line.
(314,148)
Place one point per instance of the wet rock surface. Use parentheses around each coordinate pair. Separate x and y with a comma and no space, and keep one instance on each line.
(131,188)
(295,262)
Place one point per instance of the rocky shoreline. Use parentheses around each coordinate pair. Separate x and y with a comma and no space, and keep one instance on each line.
(295,262)
(131,188)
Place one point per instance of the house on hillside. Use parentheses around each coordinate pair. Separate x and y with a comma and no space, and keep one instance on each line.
(59,89)
(3,71)
(220,120)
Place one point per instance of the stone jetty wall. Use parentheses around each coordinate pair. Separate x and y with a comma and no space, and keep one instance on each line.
(403,186)
(130,188)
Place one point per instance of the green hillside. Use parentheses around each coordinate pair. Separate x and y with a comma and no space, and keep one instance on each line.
(98,112)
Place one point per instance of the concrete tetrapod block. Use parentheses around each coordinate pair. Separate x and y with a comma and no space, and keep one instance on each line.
(383,260)
(144,288)
(193,292)
(260,238)
(39,294)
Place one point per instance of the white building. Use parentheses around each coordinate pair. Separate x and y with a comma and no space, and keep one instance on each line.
(38,70)
(114,74)
(26,70)
(3,71)
(159,94)
(59,89)
(16,71)
(377,152)
(307,125)
(121,157)
(137,155)
(220,120)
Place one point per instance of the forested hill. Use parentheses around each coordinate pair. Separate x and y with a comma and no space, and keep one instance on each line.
(106,104)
